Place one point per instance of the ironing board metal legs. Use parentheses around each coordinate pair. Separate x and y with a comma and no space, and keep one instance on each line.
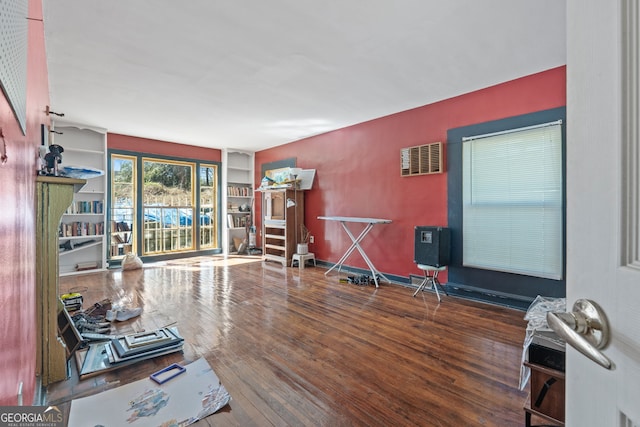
(355,242)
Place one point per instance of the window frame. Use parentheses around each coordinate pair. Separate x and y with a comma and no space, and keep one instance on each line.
(139,214)
(510,289)
(119,227)
(512,201)
(174,230)
(216,208)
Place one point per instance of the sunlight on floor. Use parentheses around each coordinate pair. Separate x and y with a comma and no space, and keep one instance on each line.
(196,263)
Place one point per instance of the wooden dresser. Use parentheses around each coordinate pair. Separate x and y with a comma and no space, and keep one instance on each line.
(547,381)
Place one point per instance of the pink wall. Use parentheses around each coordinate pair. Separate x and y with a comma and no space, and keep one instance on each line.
(162,148)
(17,223)
(358,169)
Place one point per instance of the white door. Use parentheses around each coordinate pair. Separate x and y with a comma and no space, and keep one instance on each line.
(603,198)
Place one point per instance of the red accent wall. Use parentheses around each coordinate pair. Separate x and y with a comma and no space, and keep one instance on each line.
(358,169)
(17,223)
(162,148)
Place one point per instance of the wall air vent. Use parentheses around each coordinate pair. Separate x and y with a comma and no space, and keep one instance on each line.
(421,159)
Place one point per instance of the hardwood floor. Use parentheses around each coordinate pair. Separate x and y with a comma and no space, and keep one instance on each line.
(296,348)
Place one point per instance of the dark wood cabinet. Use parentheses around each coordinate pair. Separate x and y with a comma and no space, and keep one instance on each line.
(547,397)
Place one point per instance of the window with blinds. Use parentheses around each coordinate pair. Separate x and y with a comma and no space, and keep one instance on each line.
(513,201)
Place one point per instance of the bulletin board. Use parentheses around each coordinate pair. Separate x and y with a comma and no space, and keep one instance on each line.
(13,56)
(279,164)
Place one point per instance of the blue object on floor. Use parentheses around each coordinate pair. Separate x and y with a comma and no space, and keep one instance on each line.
(161,379)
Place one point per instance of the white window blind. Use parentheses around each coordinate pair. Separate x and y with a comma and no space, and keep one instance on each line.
(512,201)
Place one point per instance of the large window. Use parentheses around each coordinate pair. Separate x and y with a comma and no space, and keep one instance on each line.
(513,201)
(162,206)
(208,206)
(167,197)
(123,205)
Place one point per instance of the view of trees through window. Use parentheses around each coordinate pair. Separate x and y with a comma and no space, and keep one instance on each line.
(208,211)
(167,193)
(167,198)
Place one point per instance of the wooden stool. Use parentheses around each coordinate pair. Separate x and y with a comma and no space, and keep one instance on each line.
(302,258)
(430,279)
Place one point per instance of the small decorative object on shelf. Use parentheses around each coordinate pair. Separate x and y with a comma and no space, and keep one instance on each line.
(89,265)
(81,172)
(303,245)
(52,159)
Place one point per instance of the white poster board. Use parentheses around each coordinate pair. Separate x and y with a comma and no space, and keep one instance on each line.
(306,178)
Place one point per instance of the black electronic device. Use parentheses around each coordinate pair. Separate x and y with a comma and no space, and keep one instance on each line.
(548,357)
(432,246)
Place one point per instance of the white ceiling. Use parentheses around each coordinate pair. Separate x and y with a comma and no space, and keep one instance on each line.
(253,74)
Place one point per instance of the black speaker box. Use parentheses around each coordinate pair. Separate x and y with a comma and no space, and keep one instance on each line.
(432,246)
(545,356)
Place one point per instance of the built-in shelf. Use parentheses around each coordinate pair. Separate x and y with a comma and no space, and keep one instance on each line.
(84,148)
(88,245)
(239,192)
(87,271)
(84,237)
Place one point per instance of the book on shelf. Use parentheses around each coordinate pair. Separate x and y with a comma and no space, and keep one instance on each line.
(238,191)
(117,226)
(238,221)
(79,228)
(86,207)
